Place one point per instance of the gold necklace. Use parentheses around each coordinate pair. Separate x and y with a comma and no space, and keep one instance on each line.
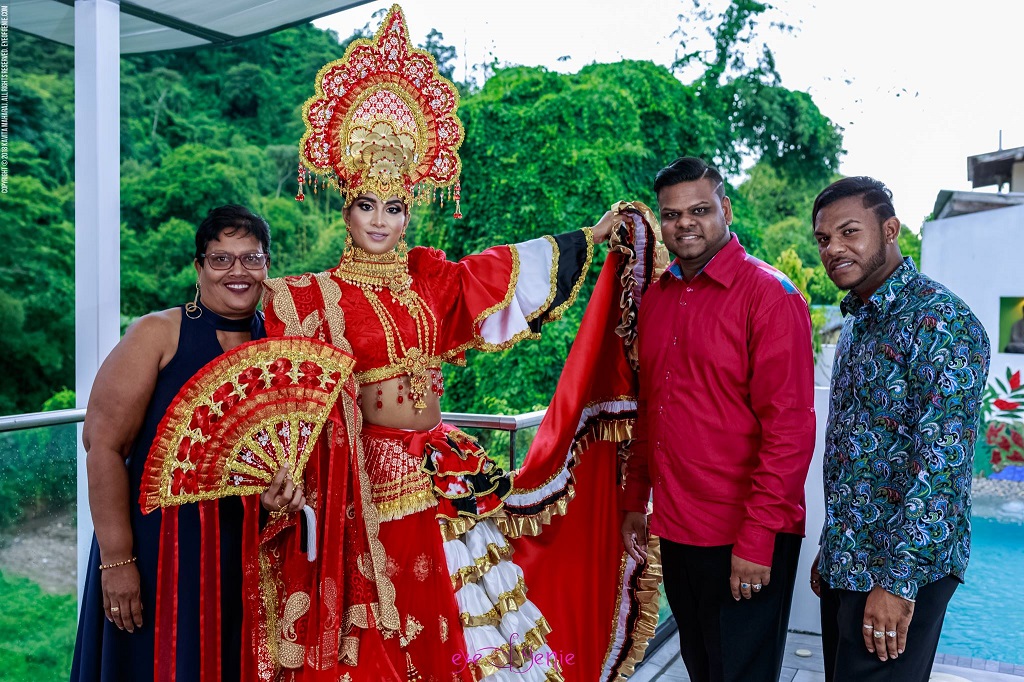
(376,272)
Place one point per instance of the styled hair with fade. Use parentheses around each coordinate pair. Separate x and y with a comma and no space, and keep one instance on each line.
(874,195)
(689,169)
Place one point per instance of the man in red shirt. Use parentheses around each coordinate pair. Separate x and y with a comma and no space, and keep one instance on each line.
(725,434)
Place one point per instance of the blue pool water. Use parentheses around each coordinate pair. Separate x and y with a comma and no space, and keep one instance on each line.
(985,618)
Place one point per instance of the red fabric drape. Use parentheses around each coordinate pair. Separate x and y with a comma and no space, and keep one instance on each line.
(601,606)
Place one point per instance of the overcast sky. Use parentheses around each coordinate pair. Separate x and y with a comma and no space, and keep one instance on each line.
(917,85)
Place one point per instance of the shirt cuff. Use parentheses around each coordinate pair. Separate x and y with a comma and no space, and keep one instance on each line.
(905,588)
(755,543)
(636,498)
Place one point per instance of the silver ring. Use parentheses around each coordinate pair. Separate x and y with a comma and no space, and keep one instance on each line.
(890,633)
(757,587)
(878,634)
(115,609)
(869,626)
(744,586)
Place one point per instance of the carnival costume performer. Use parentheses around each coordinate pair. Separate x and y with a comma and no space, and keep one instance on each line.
(413,560)
(133,388)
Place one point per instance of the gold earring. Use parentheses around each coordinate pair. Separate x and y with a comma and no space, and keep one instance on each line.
(403,250)
(192,309)
(348,241)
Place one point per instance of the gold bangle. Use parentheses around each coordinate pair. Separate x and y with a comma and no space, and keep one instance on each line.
(279,514)
(104,567)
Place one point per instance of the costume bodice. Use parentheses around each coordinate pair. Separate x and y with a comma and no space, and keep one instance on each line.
(394,333)
(391,337)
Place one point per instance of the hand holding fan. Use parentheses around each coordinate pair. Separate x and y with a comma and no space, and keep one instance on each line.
(241,418)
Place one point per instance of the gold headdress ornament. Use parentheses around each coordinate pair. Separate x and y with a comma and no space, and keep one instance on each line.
(383,120)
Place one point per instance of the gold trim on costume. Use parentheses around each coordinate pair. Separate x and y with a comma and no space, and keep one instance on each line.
(596,429)
(648,600)
(553,274)
(513,282)
(334,316)
(481,565)
(556,313)
(388,619)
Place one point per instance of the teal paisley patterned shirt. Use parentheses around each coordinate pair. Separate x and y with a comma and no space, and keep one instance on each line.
(910,367)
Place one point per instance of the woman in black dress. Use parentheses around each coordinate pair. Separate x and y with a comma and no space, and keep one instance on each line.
(133,389)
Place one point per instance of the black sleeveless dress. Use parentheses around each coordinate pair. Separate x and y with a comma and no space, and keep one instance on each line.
(103,653)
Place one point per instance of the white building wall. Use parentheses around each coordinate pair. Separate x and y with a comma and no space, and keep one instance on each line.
(980,256)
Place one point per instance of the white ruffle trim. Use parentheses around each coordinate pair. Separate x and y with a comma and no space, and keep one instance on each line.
(532,289)
(535,496)
(480,598)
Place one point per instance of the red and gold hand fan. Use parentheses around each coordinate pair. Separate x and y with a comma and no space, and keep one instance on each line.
(241,418)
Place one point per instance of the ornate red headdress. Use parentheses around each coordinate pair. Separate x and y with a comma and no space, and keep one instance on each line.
(383,120)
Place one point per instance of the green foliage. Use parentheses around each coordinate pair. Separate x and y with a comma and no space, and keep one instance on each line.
(789,264)
(910,244)
(37,471)
(61,400)
(544,153)
(41,652)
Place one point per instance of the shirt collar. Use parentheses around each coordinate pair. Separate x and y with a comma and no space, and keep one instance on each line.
(723,265)
(882,299)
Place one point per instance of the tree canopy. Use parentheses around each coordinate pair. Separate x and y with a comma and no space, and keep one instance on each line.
(545,152)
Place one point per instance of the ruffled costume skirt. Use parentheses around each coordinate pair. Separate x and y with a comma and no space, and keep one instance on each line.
(461,598)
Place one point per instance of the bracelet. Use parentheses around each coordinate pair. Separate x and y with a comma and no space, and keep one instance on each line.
(104,567)
(279,514)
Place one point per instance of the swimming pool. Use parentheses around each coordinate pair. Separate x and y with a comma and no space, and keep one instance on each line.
(985,618)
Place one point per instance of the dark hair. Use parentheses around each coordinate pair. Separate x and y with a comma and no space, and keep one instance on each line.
(231,219)
(875,196)
(689,169)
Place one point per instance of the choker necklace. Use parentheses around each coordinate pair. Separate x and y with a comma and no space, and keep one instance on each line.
(223,323)
(376,272)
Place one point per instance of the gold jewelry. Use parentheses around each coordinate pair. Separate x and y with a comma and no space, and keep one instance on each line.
(192,310)
(402,250)
(115,609)
(376,272)
(280,513)
(348,240)
(104,567)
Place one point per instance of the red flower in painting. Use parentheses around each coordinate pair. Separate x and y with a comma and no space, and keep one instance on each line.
(1016,456)
(1005,404)
(1017,438)
(1015,380)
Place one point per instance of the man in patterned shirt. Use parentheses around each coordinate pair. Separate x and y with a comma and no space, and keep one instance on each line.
(911,364)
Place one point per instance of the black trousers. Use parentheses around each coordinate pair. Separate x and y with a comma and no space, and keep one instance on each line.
(842,639)
(721,639)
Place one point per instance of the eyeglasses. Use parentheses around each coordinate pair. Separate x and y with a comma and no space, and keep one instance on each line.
(225,261)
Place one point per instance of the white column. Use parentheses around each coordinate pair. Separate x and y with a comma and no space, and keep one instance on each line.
(97,214)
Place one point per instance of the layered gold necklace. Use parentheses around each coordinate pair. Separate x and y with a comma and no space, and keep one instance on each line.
(374,273)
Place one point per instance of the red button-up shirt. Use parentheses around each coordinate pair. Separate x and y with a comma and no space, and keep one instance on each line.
(725,428)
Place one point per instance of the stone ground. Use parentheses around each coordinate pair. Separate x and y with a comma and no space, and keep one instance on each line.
(43,549)
(804,663)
